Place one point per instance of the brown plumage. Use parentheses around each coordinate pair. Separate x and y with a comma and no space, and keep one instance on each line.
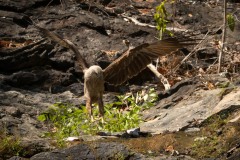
(126,66)
(135,60)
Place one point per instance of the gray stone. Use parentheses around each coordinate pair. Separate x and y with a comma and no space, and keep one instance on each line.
(103,150)
(190,111)
(134,132)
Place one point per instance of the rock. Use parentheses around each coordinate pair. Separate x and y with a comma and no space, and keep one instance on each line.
(88,138)
(102,150)
(194,129)
(36,145)
(16,5)
(134,132)
(17,158)
(130,133)
(188,107)
(20,109)
(99,151)
(22,78)
(181,157)
(25,57)
(13,111)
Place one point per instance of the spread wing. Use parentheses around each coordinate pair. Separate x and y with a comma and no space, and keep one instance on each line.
(134,61)
(65,43)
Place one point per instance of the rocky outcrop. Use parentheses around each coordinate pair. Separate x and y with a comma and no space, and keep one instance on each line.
(190,105)
(103,150)
(89,151)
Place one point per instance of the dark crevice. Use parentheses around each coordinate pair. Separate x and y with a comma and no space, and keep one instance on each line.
(139,34)
(20,8)
(99,29)
(46,3)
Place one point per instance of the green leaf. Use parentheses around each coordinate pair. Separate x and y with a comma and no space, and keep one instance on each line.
(118,103)
(42,118)
(161,18)
(231,22)
(71,121)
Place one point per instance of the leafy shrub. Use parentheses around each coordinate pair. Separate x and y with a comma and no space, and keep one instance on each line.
(66,120)
(10,146)
(160,17)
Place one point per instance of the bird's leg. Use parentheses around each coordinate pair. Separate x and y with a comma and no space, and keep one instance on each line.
(89,108)
(100,106)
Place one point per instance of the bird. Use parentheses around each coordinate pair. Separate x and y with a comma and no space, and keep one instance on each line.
(128,65)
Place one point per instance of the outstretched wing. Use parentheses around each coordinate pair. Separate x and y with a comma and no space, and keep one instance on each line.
(135,60)
(65,43)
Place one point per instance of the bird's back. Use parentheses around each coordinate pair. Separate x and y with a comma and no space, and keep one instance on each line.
(93,83)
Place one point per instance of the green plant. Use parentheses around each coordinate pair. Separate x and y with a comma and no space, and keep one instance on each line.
(160,17)
(231,21)
(211,143)
(207,148)
(66,120)
(10,146)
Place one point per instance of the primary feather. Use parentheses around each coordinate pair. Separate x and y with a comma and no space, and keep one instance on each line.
(135,60)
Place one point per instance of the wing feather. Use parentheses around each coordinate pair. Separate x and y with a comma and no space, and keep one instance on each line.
(65,43)
(134,61)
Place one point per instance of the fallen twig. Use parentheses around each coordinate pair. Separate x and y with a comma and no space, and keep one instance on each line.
(135,21)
